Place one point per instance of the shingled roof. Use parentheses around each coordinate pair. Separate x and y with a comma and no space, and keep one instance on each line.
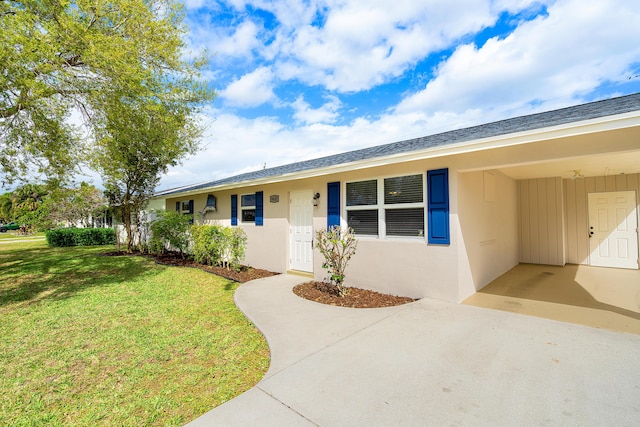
(592,110)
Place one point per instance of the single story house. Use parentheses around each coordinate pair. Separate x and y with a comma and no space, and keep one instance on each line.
(443,215)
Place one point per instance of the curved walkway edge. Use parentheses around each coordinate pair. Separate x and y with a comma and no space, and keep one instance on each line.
(428,363)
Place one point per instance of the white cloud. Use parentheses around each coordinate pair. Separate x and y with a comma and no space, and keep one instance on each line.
(327,113)
(362,45)
(554,59)
(251,90)
(240,40)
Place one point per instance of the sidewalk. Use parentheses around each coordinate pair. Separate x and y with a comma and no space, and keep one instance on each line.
(428,363)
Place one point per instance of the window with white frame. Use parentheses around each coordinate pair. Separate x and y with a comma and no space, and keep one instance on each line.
(248,207)
(387,207)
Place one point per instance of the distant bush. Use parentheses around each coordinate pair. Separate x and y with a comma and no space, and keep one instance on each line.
(62,237)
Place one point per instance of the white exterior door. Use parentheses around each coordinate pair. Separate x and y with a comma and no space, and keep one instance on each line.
(613,230)
(301,223)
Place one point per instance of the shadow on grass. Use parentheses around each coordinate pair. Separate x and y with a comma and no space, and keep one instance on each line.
(37,274)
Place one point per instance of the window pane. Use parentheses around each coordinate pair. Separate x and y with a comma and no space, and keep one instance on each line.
(403,189)
(362,193)
(248,200)
(405,222)
(248,215)
(363,222)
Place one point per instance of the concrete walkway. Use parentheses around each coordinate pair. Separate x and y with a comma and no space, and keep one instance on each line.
(428,363)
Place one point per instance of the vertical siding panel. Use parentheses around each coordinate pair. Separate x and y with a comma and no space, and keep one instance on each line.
(525,245)
(534,229)
(552,222)
(519,218)
(601,185)
(610,183)
(633,181)
(572,237)
(561,223)
(621,182)
(583,186)
(543,222)
(556,236)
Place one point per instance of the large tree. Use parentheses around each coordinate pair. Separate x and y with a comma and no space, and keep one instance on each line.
(140,139)
(61,57)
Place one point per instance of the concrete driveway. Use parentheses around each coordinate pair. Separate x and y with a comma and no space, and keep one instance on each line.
(429,363)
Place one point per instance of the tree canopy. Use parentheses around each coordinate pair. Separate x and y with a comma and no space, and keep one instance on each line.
(41,207)
(137,143)
(90,59)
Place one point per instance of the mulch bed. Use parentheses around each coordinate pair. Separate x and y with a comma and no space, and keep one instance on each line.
(321,292)
(174,259)
(325,293)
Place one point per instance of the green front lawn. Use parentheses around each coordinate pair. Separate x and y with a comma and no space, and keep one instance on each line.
(95,340)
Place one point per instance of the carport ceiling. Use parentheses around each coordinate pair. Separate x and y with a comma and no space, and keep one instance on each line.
(601,165)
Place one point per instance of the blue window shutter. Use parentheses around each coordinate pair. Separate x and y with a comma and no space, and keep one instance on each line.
(333,204)
(259,208)
(178,206)
(438,206)
(234,209)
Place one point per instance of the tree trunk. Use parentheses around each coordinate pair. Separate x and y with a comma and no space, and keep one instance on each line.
(127,226)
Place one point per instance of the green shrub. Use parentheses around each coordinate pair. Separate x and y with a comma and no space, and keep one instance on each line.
(219,245)
(233,244)
(337,246)
(205,248)
(170,230)
(62,237)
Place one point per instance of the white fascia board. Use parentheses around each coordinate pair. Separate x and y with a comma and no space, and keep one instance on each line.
(601,124)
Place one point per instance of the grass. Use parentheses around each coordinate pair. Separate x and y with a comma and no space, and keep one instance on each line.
(12,234)
(95,340)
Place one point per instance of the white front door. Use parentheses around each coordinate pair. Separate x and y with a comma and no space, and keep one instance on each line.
(613,234)
(301,223)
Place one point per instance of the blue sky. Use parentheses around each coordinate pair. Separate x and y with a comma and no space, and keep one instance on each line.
(299,79)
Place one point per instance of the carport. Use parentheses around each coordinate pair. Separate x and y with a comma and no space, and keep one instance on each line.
(607,298)
(568,207)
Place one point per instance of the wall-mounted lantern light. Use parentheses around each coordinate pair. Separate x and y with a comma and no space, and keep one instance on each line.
(316,197)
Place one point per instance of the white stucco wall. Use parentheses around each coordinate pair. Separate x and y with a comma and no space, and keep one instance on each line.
(488,219)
